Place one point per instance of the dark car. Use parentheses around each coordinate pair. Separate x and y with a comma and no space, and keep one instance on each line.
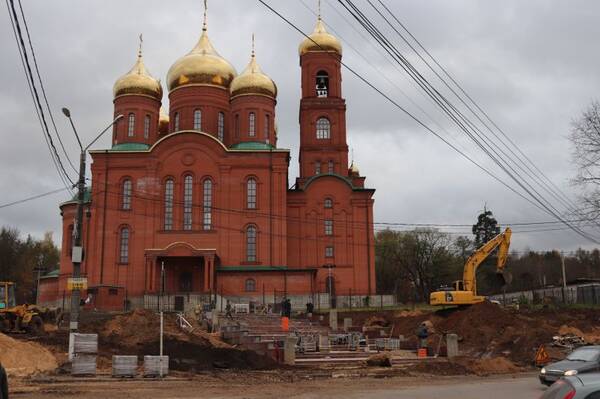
(3,383)
(581,386)
(582,360)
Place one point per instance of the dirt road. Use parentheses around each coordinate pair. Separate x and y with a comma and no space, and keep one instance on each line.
(523,386)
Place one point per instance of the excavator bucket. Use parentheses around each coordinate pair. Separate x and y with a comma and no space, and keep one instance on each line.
(503,278)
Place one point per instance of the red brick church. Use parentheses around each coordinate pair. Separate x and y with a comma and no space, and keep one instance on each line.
(204,191)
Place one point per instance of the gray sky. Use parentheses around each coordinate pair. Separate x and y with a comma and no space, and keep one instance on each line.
(533,66)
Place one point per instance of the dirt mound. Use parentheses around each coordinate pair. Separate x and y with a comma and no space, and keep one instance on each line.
(380,360)
(376,321)
(408,313)
(137,333)
(440,368)
(22,358)
(495,365)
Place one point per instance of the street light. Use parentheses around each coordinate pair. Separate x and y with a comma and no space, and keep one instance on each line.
(77,252)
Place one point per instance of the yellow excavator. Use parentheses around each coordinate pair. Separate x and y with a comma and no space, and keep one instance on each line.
(20,318)
(464,292)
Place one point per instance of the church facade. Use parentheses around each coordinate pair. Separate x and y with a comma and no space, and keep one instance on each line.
(201,195)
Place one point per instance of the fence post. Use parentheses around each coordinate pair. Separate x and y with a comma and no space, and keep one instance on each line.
(350,297)
(381,301)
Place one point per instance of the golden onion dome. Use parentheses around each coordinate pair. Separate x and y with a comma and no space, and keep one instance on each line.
(201,66)
(320,40)
(138,81)
(253,81)
(163,116)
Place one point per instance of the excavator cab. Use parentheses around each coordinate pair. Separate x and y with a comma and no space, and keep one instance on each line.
(7,295)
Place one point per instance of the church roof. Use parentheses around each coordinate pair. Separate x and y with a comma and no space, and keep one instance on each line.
(130,147)
(252,145)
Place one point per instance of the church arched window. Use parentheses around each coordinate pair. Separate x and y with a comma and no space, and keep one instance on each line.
(328,203)
(251,193)
(130,125)
(221,126)
(126,194)
(250,285)
(251,243)
(207,206)
(267,126)
(252,124)
(176,122)
(188,182)
(330,168)
(197,119)
(322,84)
(323,128)
(124,245)
(146,126)
(169,204)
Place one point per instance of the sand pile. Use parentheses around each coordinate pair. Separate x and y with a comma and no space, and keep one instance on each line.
(21,358)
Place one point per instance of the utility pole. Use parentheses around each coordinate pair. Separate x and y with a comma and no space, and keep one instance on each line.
(39,269)
(77,253)
(564,276)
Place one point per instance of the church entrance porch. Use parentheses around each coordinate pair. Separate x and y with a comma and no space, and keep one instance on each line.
(180,269)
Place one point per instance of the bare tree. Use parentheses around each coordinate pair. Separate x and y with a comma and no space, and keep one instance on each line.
(585,136)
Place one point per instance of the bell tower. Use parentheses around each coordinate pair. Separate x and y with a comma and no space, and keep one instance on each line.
(323,147)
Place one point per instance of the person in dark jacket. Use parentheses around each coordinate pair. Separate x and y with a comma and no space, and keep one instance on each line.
(3,383)
(422,334)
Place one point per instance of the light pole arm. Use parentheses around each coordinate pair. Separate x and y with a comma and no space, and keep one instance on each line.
(104,131)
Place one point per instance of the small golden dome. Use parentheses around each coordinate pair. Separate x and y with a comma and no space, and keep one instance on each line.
(320,40)
(138,81)
(253,81)
(163,121)
(354,169)
(203,65)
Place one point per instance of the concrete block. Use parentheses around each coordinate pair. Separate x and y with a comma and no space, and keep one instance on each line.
(347,323)
(452,345)
(324,346)
(124,366)
(156,366)
(289,351)
(85,343)
(333,319)
(83,365)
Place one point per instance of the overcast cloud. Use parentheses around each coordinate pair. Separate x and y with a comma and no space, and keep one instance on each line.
(532,65)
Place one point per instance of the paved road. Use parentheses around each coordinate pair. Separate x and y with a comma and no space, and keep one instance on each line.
(461,387)
(468,388)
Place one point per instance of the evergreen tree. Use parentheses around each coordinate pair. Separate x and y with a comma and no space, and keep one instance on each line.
(484,230)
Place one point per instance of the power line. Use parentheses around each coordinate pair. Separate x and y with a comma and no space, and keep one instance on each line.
(18,202)
(257,215)
(554,190)
(44,90)
(458,117)
(35,96)
(406,112)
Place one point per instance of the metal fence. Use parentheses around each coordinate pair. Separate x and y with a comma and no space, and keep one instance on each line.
(579,293)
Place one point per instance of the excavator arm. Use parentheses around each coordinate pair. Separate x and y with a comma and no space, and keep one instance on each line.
(502,242)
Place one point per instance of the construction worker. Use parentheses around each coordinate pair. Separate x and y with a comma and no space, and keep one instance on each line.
(228,310)
(3,383)
(422,334)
